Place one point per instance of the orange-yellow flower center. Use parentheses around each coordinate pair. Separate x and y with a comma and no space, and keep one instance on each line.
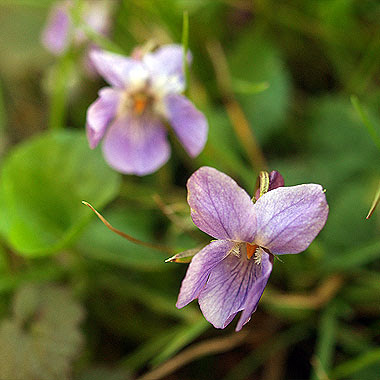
(251,249)
(140,102)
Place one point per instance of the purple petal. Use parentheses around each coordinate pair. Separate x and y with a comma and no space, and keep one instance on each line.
(199,270)
(289,218)
(114,68)
(275,180)
(98,16)
(189,124)
(136,145)
(55,36)
(220,207)
(235,284)
(100,114)
(256,292)
(166,60)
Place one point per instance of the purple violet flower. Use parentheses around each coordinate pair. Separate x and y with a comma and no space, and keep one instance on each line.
(60,30)
(229,275)
(131,115)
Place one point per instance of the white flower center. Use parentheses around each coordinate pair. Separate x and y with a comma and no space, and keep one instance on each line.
(248,250)
(146,92)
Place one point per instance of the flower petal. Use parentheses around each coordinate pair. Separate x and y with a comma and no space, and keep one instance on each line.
(199,270)
(275,180)
(289,218)
(256,291)
(220,207)
(189,124)
(136,145)
(98,16)
(166,60)
(100,114)
(55,36)
(235,284)
(116,69)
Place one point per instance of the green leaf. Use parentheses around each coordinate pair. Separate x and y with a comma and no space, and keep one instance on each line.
(346,225)
(43,345)
(256,60)
(42,185)
(336,134)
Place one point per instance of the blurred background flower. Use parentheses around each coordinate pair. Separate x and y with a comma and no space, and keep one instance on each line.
(66,23)
(146,94)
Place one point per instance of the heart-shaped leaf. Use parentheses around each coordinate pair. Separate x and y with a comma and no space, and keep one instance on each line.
(42,185)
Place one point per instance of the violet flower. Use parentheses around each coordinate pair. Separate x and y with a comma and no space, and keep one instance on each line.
(60,31)
(229,275)
(130,115)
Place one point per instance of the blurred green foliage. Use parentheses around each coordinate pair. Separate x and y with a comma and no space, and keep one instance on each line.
(39,203)
(42,337)
(292,67)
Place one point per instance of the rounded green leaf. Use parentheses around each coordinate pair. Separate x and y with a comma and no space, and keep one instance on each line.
(43,182)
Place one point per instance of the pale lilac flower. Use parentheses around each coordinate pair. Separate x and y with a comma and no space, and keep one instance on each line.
(130,115)
(229,275)
(60,31)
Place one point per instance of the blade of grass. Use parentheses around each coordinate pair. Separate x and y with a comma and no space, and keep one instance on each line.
(366,121)
(187,334)
(367,67)
(59,92)
(155,301)
(326,343)
(257,357)
(146,351)
(352,340)
(374,203)
(101,41)
(350,367)
(355,258)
